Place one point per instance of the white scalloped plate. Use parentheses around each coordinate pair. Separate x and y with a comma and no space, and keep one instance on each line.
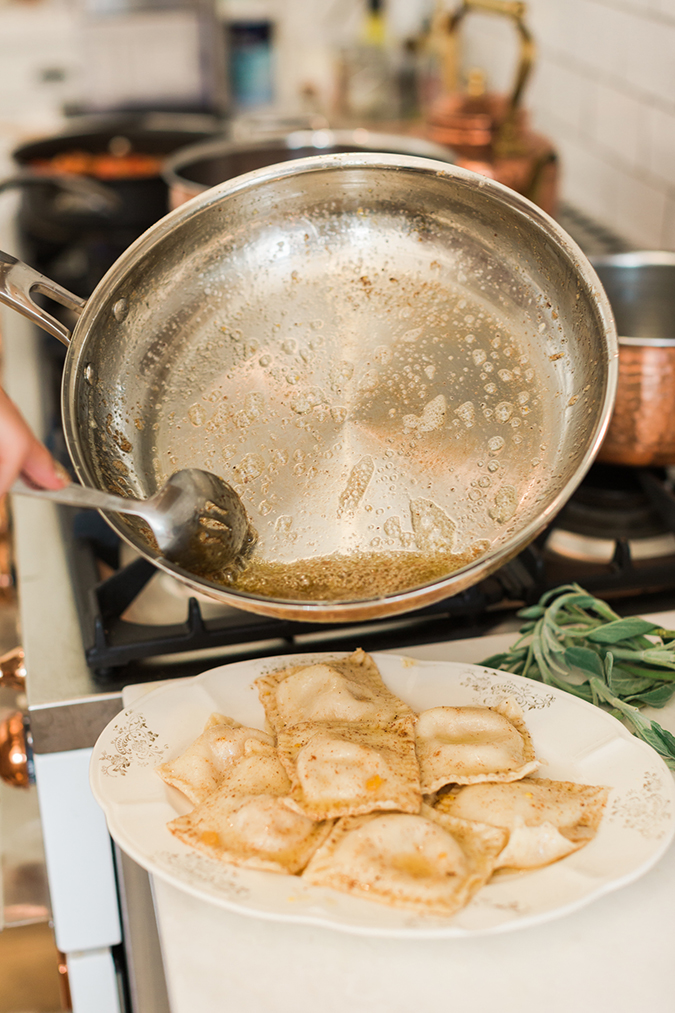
(575,741)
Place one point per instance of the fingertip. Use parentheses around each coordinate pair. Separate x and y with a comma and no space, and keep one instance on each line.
(41,468)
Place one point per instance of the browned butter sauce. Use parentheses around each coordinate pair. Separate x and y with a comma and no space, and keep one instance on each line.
(347,577)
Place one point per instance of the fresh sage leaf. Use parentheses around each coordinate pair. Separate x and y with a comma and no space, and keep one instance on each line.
(532,612)
(621,629)
(658,738)
(569,632)
(624,684)
(657,697)
(585,660)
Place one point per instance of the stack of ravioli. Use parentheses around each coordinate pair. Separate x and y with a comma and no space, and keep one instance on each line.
(352,790)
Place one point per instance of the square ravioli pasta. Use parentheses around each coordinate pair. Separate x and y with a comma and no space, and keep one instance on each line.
(343,769)
(345,689)
(257,831)
(545,820)
(206,762)
(466,745)
(426,862)
(245,821)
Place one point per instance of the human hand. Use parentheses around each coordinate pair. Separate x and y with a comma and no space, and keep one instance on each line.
(22,453)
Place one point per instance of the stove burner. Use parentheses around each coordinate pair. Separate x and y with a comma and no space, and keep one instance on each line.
(571,545)
(612,503)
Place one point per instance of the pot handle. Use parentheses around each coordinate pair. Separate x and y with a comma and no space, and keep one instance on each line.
(18,281)
(94,197)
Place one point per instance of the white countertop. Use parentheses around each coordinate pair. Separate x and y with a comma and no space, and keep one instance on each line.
(612,955)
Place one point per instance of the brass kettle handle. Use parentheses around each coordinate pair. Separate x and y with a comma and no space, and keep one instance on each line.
(513,9)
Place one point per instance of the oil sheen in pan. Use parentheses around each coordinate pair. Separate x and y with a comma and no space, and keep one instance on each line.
(381,467)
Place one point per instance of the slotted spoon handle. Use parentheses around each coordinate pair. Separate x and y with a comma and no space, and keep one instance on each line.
(82,496)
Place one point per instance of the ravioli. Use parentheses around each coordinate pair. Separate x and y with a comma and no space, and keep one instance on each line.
(257,831)
(202,767)
(258,769)
(546,820)
(344,769)
(426,862)
(347,689)
(465,745)
(346,749)
(245,821)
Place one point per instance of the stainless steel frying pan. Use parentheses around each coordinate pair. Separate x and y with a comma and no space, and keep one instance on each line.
(403,368)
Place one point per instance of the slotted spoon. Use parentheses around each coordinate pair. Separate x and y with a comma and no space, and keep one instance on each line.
(198,520)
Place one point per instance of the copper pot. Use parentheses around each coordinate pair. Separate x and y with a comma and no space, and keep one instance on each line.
(641,291)
(14,762)
(13,749)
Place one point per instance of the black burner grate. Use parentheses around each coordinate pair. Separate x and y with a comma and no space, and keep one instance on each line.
(113,641)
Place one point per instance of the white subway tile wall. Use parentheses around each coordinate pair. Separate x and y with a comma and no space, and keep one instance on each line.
(604,91)
(603,87)
(38,72)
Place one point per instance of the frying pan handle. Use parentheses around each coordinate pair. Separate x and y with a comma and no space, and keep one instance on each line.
(18,281)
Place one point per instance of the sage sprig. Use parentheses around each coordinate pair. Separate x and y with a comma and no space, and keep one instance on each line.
(577,643)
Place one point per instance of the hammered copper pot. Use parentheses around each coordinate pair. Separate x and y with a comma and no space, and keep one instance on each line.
(641,291)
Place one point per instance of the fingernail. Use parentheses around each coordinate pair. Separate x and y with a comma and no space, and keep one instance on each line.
(61,473)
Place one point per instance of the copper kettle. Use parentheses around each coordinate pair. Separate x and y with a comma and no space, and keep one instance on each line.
(489,132)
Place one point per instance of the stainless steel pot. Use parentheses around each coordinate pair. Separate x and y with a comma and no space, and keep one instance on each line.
(641,290)
(196,167)
(403,368)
